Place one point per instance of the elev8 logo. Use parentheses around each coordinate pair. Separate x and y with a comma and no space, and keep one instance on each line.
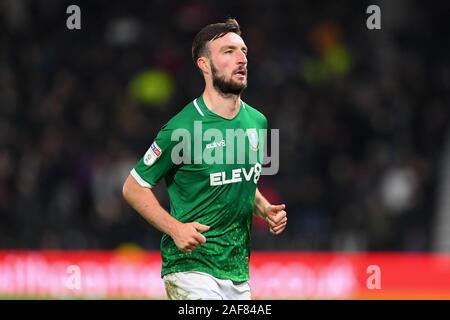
(236,175)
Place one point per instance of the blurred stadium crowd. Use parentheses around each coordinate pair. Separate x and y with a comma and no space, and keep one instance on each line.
(362,114)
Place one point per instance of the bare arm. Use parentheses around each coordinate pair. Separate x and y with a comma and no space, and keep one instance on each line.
(185,235)
(261,205)
(273,214)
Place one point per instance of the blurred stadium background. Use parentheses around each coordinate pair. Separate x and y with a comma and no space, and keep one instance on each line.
(365,144)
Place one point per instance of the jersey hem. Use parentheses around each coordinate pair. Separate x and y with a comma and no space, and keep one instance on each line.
(218,275)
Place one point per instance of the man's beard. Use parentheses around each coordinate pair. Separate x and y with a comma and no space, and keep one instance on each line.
(226,87)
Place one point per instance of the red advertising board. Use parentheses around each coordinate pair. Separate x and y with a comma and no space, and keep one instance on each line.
(274,275)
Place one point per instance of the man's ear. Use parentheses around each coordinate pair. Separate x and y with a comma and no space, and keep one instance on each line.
(203,64)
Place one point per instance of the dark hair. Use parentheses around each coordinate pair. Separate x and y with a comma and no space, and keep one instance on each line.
(212,32)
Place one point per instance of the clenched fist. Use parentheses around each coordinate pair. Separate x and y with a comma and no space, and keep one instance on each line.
(188,236)
(276,218)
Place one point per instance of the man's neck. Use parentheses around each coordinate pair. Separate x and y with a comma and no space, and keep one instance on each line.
(226,106)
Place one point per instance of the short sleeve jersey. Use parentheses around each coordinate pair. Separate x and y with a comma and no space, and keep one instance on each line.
(211,166)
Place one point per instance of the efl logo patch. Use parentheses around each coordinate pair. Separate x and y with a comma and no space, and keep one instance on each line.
(156,150)
(153,153)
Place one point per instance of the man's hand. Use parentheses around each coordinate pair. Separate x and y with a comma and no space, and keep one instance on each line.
(188,236)
(276,218)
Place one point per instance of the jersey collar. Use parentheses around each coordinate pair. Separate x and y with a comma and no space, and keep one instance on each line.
(199,103)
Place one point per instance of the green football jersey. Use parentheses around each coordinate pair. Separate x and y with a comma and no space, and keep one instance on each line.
(211,166)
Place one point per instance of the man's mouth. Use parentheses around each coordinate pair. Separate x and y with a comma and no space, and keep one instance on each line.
(242,72)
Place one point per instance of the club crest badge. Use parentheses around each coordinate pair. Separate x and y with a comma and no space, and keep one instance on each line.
(253,139)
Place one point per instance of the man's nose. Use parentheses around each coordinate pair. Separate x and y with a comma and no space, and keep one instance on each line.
(242,58)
